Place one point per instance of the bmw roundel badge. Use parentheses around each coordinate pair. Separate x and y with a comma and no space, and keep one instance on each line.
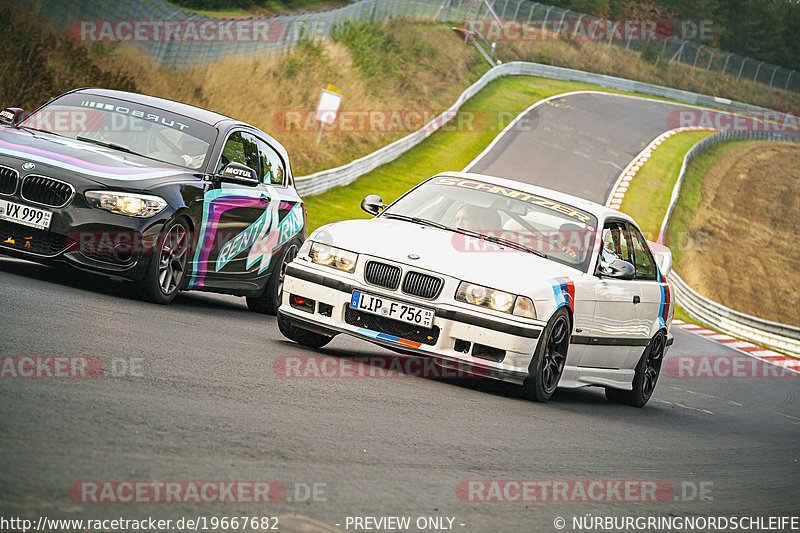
(28,166)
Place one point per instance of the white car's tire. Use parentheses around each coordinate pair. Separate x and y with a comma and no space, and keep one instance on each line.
(310,339)
(644,380)
(548,360)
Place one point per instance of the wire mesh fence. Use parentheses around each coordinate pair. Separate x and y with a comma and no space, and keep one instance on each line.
(199,40)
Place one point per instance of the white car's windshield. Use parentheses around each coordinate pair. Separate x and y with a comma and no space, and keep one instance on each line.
(127,127)
(480,211)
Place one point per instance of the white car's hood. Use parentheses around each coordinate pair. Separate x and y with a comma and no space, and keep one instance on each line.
(444,252)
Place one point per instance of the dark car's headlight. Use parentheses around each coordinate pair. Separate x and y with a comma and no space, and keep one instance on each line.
(126,203)
(322,254)
(502,301)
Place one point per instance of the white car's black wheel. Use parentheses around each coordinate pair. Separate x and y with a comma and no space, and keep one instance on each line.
(644,380)
(311,339)
(548,360)
(270,300)
(165,275)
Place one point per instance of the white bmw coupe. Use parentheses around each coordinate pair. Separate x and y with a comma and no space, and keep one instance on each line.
(517,282)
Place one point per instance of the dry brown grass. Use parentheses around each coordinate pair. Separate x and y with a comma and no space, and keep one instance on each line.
(744,261)
(260,90)
(616,61)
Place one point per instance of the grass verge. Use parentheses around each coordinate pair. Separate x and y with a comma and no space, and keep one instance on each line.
(649,193)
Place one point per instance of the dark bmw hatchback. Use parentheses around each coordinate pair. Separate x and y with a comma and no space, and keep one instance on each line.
(165,195)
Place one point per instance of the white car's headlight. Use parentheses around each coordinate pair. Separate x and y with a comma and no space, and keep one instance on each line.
(126,203)
(485,297)
(493,299)
(322,254)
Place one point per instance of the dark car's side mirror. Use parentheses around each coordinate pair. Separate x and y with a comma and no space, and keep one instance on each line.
(617,269)
(238,173)
(11,116)
(373,204)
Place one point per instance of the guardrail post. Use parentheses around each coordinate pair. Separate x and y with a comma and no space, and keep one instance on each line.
(516,12)
(786,87)
(744,60)
(713,51)
(697,55)
(533,8)
(755,76)
(774,70)
(725,67)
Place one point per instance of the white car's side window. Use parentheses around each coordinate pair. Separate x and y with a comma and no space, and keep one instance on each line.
(616,243)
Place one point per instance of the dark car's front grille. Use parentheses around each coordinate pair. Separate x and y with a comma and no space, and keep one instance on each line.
(8,180)
(31,239)
(422,285)
(392,327)
(383,275)
(46,191)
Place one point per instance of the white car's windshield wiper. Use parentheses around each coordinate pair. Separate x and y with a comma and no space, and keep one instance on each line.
(500,240)
(423,221)
(107,145)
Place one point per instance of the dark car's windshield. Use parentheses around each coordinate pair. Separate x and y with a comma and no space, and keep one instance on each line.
(127,126)
(525,221)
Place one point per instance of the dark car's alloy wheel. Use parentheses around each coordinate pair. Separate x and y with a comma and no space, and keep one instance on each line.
(172,259)
(167,269)
(548,360)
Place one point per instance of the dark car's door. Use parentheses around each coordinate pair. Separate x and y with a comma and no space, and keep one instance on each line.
(235,218)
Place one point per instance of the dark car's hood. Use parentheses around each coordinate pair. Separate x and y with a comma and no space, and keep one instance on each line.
(96,163)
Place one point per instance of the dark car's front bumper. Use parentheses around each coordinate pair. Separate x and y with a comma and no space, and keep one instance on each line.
(87,238)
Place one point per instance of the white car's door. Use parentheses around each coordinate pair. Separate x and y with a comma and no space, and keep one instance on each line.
(620,327)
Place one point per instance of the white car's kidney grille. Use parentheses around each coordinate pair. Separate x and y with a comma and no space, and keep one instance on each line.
(422,285)
(383,275)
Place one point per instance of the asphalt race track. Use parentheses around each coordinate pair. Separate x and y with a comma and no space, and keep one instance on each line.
(196,397)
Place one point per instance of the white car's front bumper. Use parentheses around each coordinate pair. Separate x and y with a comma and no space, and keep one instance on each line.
(507,345)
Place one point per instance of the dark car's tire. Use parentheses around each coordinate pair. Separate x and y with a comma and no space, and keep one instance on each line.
(270,299)
(644,380)
(548,360)
(166,274)
(311,339)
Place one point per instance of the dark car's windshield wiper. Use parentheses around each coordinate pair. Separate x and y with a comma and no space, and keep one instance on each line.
(499,240)
(423,221)
(107,145)
(29,128)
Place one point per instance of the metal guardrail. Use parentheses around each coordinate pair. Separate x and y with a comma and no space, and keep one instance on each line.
(322,181)
(781,337)
(291,29)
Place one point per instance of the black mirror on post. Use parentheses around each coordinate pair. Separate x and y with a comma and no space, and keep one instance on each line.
(238,173)
(373,204)
(617,269)
(11,116)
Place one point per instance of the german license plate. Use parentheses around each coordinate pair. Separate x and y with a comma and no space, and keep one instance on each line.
(25,215)
(378,305)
